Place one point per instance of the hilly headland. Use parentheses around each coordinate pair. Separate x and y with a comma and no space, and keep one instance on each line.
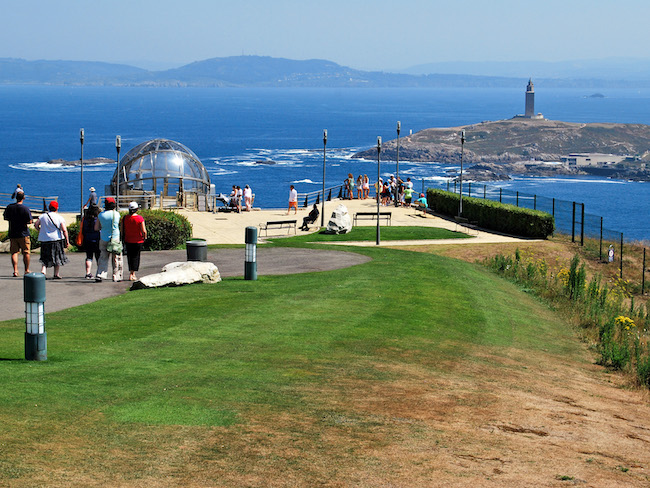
(495,149)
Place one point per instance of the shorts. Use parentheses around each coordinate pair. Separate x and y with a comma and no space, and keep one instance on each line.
(293,205)
(17,244)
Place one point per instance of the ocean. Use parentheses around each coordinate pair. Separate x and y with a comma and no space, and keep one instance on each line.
(230,129)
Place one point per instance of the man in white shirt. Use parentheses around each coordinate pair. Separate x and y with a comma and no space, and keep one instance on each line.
(293,200)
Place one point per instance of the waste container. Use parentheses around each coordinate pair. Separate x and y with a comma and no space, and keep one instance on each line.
(197,250)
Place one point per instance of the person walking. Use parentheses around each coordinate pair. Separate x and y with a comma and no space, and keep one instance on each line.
(108,225)
(53,235)
(135,233)
(19,189)
(293,200)
(90,238)
(19,218)
(366,187)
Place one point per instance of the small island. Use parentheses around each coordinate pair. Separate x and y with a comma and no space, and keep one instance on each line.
(77,162)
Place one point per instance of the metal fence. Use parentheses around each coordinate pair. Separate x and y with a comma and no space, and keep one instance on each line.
(570,218)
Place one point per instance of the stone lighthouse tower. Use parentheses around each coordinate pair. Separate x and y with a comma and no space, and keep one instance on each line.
(530,100)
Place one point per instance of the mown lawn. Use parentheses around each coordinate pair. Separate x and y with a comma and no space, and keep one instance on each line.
(137,388)
(388,233)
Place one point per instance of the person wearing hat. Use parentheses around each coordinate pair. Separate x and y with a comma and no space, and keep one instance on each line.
(92,198)
(135,233)
(108,225)
(53,235)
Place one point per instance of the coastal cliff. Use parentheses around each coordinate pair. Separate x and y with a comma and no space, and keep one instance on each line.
(523,146)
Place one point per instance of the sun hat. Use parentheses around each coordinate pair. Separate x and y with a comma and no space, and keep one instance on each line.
(133,206)
(92,188)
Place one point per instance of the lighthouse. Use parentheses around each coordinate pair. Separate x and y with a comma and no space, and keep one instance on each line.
(530,100)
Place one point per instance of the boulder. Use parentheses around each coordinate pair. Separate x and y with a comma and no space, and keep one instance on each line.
(340,221)
(179,274)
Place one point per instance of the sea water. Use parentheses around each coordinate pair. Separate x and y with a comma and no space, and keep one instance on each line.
(232,129)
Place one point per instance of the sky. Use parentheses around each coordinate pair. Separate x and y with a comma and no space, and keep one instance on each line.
(363,34)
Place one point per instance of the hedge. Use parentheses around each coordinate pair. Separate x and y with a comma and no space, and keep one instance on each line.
(165,230)
(33,237)
(500,217)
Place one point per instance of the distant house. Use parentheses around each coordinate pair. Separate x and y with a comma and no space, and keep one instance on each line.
(596,160)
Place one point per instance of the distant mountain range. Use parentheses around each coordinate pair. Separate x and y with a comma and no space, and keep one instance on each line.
(262,71)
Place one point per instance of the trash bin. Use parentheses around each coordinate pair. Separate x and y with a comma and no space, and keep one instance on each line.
(197,250)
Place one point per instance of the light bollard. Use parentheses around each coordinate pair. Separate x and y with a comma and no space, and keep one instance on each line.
(35,336)
(250,254)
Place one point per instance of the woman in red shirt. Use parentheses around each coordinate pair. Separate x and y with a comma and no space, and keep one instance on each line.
(135,233)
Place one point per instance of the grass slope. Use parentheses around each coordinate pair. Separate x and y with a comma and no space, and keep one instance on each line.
(138,387)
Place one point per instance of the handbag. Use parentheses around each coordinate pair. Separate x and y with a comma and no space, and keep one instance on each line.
(114,246)
(80,236)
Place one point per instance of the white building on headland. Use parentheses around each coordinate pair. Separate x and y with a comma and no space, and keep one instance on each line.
(598,160)
(530,103)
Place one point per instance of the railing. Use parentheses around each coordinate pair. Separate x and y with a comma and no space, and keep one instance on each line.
(35,203)
(316,196)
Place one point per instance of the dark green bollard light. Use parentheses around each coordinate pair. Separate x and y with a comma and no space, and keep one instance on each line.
(250,258)
(35,336)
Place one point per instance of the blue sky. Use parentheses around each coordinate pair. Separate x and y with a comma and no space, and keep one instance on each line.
(372,34)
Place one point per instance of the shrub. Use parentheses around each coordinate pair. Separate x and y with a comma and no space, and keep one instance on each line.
(165,230)
(33,237)
(492,215)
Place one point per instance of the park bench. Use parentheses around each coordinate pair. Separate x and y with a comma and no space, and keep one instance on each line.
(372,216)
(278,224)
(470,226)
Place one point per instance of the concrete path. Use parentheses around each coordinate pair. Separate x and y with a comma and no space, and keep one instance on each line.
(74,289)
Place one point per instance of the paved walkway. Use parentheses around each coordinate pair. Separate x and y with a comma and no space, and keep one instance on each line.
(224,228)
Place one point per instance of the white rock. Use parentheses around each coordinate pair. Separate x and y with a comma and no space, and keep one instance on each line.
(340,221)
(180,273)
(4,246)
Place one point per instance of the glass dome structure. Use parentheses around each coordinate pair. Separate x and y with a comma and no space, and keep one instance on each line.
(160,166)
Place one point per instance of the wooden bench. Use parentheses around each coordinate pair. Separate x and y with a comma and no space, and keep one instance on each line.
(278,224)
(471,226)
(372,216)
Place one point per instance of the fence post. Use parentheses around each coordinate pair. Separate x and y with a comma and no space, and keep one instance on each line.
(469,189)
(621,253)
(534,202)
(600,248)
(517,200)
(329,196)
(643,275)
(573,223)
(553,212)
(582,226)
(484,191)
(447,185)
(454,186)
(500,193)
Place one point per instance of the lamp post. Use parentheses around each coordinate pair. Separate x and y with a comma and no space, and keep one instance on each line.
(378,189)
(462,145)
(322,213)
(81,160)
(399,127)
(118,146)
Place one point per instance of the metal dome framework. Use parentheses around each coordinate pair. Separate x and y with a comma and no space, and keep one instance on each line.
(160,166)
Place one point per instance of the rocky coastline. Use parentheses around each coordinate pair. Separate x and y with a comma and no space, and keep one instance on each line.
(495,150)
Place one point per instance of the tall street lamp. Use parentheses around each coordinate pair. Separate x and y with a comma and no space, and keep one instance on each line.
(81,159)
(462,145)
(399,127)
(118,146)
(378,189)
(322,213)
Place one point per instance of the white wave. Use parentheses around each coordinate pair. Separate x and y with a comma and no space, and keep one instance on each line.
(308,181)
(63,168)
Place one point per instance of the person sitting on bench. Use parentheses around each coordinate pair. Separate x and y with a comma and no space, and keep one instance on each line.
(310,219)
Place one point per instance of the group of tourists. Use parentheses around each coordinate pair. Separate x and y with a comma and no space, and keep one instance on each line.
(395,187)
(240,195)
(102,234)
(361,185)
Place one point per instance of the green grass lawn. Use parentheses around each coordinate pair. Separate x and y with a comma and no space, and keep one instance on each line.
(388,233)
(176,363)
